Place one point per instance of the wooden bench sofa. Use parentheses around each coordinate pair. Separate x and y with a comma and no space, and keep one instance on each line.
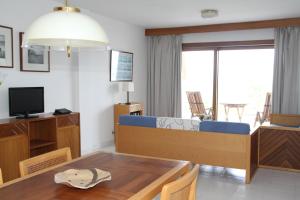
(229,150)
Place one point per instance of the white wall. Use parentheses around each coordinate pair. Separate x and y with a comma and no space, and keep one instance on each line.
(58,83)
(81,83)
(255,34)
(96,94)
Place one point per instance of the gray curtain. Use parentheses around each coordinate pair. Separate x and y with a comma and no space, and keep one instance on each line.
(164,76)
(286,81)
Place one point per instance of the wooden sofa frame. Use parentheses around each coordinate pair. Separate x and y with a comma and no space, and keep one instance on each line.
(217,149)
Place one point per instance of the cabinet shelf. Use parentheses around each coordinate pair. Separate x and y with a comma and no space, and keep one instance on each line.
(35,144)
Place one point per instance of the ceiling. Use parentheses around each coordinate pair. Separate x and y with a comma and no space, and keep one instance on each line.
(171,13)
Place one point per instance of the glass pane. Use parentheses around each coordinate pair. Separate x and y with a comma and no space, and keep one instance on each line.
(197,75)
(245,78)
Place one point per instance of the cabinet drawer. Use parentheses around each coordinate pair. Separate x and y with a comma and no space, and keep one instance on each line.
(68,120)
(13,129)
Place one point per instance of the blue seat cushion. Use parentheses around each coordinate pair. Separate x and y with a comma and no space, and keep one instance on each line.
(136,120)
(225,127)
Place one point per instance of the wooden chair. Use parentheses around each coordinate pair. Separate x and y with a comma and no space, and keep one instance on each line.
(45,161)
(1,179)
(197,106)
(182,189)
(261,117)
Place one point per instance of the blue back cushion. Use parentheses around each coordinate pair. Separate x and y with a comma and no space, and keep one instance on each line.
(225,127)
(136,120)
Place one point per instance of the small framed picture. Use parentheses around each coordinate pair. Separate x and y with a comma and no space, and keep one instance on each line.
(35,58)
(6,47)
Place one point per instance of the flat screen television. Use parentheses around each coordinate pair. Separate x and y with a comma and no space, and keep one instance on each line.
(24,101)
(121,66)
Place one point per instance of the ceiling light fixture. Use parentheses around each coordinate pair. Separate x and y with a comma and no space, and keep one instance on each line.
(209,13)
(64,29)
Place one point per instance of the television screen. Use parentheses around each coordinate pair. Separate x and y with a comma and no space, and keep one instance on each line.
(121,66)
(24,101)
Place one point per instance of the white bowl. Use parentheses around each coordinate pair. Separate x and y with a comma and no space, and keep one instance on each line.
(82,178)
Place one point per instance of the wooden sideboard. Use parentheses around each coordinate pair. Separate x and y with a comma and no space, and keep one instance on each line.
(21,139)
(126,109)
(279,143)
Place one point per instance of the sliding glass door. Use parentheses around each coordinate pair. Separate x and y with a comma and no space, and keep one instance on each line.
(234,81)
(245,78)
(197,76)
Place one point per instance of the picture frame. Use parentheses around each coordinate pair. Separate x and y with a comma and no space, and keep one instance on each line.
(6,47)
(34,59)
(121,66)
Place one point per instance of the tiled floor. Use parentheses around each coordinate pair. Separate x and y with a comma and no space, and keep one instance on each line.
(217,183)
(266,185)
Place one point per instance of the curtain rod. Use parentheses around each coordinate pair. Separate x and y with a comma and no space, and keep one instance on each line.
(224,27)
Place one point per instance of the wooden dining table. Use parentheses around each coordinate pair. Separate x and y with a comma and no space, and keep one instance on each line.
(133,177)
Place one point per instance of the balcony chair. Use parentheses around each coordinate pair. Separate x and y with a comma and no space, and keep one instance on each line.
(264,116)
(197,107)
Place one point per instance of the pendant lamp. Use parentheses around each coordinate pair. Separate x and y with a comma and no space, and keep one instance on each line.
(65,28)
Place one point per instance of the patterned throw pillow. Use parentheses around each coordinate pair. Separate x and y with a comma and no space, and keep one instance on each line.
(177,123)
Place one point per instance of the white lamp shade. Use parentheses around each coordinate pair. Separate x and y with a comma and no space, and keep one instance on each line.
(62,29)
(128,87)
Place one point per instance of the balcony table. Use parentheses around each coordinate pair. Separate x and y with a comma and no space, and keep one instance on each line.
(239,107)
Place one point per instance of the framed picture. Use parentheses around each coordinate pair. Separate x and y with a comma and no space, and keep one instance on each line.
(35,58)
(121,66)
(6,47)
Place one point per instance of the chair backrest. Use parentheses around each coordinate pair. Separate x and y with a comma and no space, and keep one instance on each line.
(1,179)
(196,103)
(45,161)
(267,107)
(182,189)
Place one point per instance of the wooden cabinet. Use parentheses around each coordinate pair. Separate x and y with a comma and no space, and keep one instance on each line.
(42,136)
(68,133)
(126,109)
(69,137)
(13,149)
(279,148)
(22,139)
(279,145)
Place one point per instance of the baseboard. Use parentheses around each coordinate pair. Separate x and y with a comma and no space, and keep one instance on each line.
(107,144)
(97,147)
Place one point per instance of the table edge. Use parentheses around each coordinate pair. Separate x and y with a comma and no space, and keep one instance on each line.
(150,191)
